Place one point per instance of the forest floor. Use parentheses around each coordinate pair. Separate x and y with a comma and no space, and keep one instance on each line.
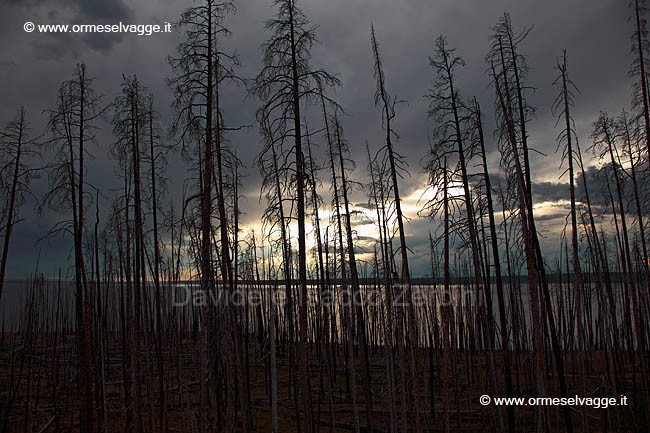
(29,401)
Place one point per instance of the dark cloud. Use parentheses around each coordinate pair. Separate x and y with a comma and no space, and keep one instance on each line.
(100,42)
(57,46)
(34,64)
(595,185)
(599,193)
(550,191)
(8,64)
(105,10)
(542,191)
(365,205)
(53,46)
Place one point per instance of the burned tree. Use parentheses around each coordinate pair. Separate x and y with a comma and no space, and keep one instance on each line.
(639,70)
(16,148)
(202,66)
(286,83)
(562,108)
(128,130)
(71,129)
(387,104)
(508,70)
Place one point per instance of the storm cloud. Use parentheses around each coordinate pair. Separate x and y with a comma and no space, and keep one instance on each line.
(594,32)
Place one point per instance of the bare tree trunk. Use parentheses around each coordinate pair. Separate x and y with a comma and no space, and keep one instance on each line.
(641,47)
(446,308)
(389,114)
(577,272)
(302,249)
(360,322)
(347,319)
(497,268)
(162,394)
(18,134)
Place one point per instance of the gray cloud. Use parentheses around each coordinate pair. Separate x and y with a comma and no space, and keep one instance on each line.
(550,191)
(50,46)
(34,64)
(105,10)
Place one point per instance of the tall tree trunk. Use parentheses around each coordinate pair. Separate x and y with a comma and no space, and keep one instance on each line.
(11,203)
(356,300)
(162,394)
(406,275)
(497,268)
(577,272)
(302,249)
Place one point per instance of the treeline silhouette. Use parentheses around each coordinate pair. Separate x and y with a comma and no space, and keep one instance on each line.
(338,336)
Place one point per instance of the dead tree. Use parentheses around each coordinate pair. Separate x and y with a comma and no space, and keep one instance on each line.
(387,103)
(128,149)
(200,69)
(451,116)
(272,166)
(284,85)
(452,135)
(16,149)
(639,69)
(633,153)
(156,156)
(494,242)
(70,126)
(346,184)
(377,200)
(347,325)
(606,136)
(508,69)
(562,108)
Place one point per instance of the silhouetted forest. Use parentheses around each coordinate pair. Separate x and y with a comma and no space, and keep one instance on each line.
(175,317)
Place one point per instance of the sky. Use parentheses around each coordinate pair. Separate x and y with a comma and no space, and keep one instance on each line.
(595,33)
